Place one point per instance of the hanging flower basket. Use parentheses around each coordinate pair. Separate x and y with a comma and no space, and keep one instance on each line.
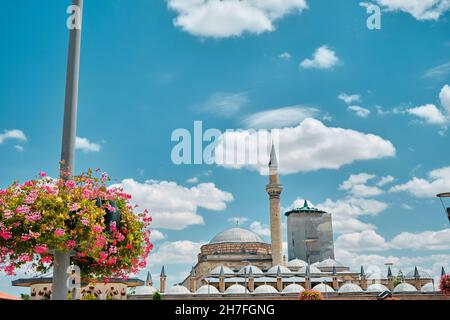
(82,215)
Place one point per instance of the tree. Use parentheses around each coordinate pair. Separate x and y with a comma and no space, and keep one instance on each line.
(44,214)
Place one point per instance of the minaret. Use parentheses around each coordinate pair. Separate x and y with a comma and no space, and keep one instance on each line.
(274,190)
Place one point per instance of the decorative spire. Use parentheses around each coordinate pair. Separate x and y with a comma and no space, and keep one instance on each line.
(389,272)
(222,272)
(273,157)
(334,273)
(416,273)
(149,280)
(279,272)
(193,272)
(250,272)
(443,272)
(305,205)
(163,272)
(363,273)
(308,271)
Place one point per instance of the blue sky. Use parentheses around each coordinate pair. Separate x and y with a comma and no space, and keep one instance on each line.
(151,67)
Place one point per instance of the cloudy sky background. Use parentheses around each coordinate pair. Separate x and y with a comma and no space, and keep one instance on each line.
(363,115)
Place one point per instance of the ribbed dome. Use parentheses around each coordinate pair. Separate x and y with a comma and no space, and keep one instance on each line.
(265,289)
(422,274)
(429,287)
(144,291)
(328,263)
(216,271)
(377,287)
(237,235)
(296,263)
(405,287)
(350,288)
(177,290)
(246,270)
(312,270)
(207,289)
(274,270)
(323,288)
(293,288)
(236,289)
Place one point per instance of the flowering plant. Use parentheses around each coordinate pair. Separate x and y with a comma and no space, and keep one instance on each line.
(444,284)
(311,295)
(45,215)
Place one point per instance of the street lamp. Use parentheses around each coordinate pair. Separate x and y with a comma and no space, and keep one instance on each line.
(62,258)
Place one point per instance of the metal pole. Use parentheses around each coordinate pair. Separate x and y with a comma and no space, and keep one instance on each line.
(62,258)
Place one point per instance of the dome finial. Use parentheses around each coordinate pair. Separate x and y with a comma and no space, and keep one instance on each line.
(273,157)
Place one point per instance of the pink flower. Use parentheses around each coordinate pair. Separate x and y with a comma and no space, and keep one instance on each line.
(42,174)
(97,229)
(113,250)
(111,261)
(40,249)
(71,244)
(47,259)
(25,237)
(5,234)
(8,214)
(70,184)
(103,256)
(25,258)
(23,209)
(74,207)
(85,221)
(9,270)
(34,216)
(59,232)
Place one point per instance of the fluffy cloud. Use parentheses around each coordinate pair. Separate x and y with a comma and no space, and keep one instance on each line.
(359,111)
(222,19)
(224,104)
(260,229)
(357,186)
(285,56)
(279,118)
(444,96)
(178,252)
(237,220)
(85,145)
(157,235)
(385,180)
(12,135)
(419,9)
(367,240)
(323,58)
(349,99)
(428,240)
(429,113)
(173,206)
(309,146)
(438,181)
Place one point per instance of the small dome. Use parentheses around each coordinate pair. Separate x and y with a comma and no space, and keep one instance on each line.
(265,289)
(422,274)
(429,287)
(226,270)
(329,263)
(177,290)
(377,287)
(144,291)
(296,263)
(350,288)
(274,270)
(207,289)
(246,270)
(323,288)
(312,270)
(294,288)
(405,287)
(237,235)
(236,289)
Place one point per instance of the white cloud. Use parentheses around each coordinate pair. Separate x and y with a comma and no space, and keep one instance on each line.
(419,9)
(222,19)
(438,181)
(85,145)
(178,252)
(438,72)
(157,235)
(429,113)
(285,56)
(279,118)
(224,104)
(427,240)
(260,229)
(367,240)
(444,96)
(309,146)
(359,111)
(349,99)
(19,148)
(192,180)
(237,220)
(385,180)
(173,206)
(323,58)
(357,186)
(13,135)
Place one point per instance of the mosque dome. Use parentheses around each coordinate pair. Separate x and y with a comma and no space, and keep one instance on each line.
(144,291)
(377,287)
(312,269)
(177,290)
(422,274)
(329,263)
(236,289)
(405,287)
(429,287)
(323,288)
(293,288)
(265,289)
(246,270)
(207,289)
(274,270)
(350,288)
(237,235)
(226,271)
(296,263)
